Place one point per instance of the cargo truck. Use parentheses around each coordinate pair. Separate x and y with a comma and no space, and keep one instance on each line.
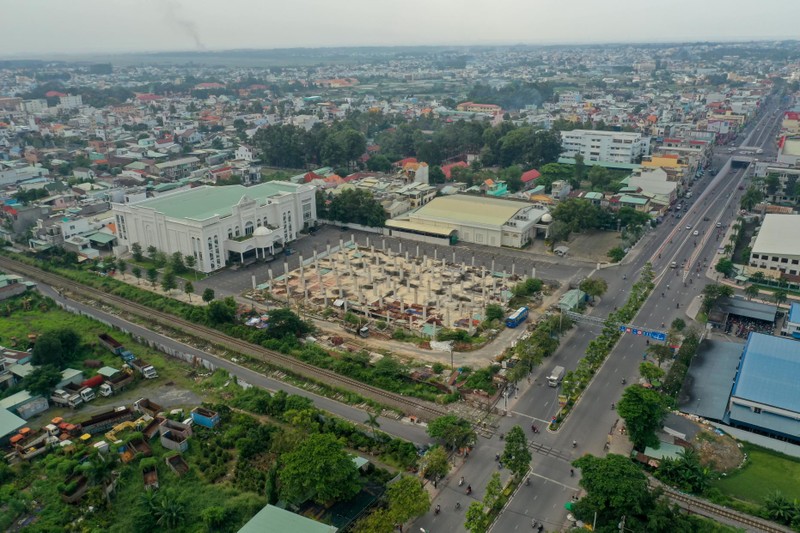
(105,421)
(116,347)
(555,377)
(67,399)
(145,369)
(116,383)
(147,407)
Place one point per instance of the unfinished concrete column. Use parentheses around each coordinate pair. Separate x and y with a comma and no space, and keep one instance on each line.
(367,245)
(416,296)
(417,254)
(424,313)
(513,268)
(353,238)
(339,285)
(400,247)
(447,318)
(454,257)
(473,260)
(492,266)
(435,254)
(383,245)
(406,256)
(270,279)
(329,250)
(469,319)
(533,272)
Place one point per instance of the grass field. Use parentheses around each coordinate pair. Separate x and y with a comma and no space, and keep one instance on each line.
(765,472)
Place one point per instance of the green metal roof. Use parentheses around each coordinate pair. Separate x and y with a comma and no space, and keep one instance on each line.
(107,371)
(273,519)
(101,237)
(632,200)
(202,203)
(15,400)
(9,423)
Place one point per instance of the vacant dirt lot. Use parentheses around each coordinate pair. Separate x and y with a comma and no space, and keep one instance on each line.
(719,452)
(592,246)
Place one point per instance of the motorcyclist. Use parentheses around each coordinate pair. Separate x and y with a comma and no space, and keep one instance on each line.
(574,444)
(469,489)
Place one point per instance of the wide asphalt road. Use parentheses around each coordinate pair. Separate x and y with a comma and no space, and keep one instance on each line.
(715,198)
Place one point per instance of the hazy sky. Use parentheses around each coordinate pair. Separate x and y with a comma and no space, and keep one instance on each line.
(39,27)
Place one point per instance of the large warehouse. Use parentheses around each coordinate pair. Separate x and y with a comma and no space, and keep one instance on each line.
(473,219)
(777,245)
(764,396)
(218,224)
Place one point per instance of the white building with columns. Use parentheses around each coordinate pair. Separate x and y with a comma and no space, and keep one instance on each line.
(218,225)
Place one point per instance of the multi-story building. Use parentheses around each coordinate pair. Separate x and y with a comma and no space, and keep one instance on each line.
(70,101)
(784,189)
(219,224)
(472,107)
(611,146)
(777,246)
(178,168)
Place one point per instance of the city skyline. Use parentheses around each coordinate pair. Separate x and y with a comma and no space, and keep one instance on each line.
(95,26)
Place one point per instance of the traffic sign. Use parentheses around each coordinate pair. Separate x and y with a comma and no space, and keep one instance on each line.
(655,335)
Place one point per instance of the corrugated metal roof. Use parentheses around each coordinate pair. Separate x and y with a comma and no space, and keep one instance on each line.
(274,519)
(470,210)
(769,372)
(794,313)
(9,423)
(772,239)
(418,226)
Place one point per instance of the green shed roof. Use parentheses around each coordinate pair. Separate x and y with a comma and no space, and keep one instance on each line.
(15,400)
(102,237)
(9,423)
(273,519)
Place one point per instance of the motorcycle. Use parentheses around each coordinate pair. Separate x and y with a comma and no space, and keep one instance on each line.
(461,481)
(436,511)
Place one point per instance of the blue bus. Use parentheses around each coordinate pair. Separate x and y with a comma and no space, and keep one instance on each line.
(517,318)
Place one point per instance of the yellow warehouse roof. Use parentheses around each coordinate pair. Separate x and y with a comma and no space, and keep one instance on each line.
(466,209)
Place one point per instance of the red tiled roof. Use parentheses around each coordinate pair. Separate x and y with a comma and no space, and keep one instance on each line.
(406,161)
(448,169)
(311,176)
(530,175)
(792,115)
(53,94)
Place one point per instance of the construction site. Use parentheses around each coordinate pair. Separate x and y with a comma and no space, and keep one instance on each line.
(400,287)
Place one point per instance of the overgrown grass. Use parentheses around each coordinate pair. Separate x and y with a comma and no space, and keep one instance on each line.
(766,471)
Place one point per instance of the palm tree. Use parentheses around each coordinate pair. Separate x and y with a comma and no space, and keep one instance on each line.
(751,291)
(100,471)
(169,510)
(780,296)
(372,421)
(779,507)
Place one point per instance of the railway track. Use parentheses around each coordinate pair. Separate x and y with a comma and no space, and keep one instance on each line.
(407,405)
(710,510)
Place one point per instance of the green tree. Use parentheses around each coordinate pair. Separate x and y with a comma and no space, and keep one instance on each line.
(176,263)
(594,287)
(136,251)
(477,520)
(381,163)
(170,510)
(407,499)
(152,276)
(56,347)
(780,296)
(151,253)
(750,198)
(516,455)
(319,468)
(188,289)
(137,273)
(122,266)
(378,521)
(494,312)
(751,291)
(660,352)
(650,372)
(599,177)
(434,464)
(436,175)
(42,380)
(558,231)
(190,262)
(616,254)
(494,489)
(712,294)
(453,431)
(357,206)
(725,267)
(284,322)
(208,295)
(678,324)
(168,281)
(643,410)
(221,311)
(615,487)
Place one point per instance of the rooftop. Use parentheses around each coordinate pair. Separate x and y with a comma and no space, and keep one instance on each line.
(779,234)
(9,423)
(769,372)
(794,313)
(202,203)
(274,519)
(470,210)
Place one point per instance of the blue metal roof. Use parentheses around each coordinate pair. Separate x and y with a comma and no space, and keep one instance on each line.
(794,313)
(769,372)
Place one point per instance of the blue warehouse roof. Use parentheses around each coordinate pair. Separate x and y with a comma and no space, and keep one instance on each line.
(794,313)
(769,372)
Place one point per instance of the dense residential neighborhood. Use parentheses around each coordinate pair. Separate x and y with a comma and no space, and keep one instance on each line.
(323,293)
